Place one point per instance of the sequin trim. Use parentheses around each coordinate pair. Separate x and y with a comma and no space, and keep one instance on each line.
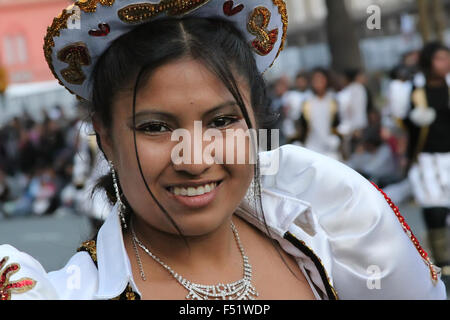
(91,248)
(59,23)
(128,294)
(407,229)
(282,10)
(7,287)
(140,12)
(75,55)
(257,25)
(91,5)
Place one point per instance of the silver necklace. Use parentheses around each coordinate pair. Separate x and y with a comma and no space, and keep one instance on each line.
(238,290)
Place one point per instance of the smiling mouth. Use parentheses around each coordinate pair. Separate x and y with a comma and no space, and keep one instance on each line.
(194,191)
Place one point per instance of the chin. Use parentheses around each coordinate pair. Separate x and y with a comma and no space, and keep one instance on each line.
(200,225)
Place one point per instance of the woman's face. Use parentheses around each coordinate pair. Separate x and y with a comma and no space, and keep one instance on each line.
(176,95)
(441,63)
(319,82)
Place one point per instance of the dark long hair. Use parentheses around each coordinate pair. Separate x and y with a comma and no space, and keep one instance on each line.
(133,57)
(427,55)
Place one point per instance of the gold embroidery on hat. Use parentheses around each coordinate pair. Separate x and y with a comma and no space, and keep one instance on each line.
(135,13)
(91,5)
(284,18)
(257,25)
(76,55)
(59,23)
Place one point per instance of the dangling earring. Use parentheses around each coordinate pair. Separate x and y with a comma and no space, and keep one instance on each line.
(121,206)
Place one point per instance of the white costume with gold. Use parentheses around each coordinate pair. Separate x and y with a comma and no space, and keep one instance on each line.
(349,242)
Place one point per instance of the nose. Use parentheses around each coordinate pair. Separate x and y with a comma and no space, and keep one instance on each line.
(191,154)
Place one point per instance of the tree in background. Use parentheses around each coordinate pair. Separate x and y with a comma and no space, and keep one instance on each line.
(342,38)
(431,20)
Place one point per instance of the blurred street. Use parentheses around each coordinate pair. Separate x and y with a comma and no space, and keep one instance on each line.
(51,240)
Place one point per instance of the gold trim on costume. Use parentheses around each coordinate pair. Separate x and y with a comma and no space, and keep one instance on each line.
(419,99)
(75,55)
(140,12)
(91,5)
(91,248)
(282,10)
(59,23)
(257,25)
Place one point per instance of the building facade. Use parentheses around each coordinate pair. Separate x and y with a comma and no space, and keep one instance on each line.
(23,25)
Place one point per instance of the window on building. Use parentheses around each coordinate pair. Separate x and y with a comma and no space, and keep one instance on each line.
(15,49)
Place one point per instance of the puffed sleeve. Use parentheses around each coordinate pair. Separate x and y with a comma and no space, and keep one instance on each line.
(372,253)
(22,277)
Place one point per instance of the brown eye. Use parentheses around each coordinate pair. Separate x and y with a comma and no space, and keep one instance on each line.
(154,127)
(223,122)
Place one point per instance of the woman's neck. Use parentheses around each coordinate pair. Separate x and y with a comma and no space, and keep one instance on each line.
(212,250)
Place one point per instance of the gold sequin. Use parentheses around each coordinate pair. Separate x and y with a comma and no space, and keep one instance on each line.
(59,23)
(91,5)
(282,10)
(135,13)
(90,247)
(75,55)
(257,25)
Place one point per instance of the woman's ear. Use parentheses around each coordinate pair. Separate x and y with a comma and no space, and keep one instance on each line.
(104,139)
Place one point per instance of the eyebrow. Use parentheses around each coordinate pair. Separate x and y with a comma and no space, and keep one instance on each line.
(170,116)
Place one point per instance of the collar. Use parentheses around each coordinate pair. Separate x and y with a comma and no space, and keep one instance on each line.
(114,268)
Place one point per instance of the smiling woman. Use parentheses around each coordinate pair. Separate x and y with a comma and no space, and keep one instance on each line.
(184,227)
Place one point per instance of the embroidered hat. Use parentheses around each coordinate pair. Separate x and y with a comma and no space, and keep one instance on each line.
(84,31)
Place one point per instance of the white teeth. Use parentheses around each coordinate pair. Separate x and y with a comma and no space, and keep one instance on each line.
(191,191)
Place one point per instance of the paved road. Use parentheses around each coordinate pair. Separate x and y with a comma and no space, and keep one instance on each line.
(52,240)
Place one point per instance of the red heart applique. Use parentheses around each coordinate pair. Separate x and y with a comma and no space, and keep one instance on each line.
(104,30)
(229,10)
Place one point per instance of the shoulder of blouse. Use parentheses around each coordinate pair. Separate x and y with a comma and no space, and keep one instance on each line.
(364,243)
(24,278)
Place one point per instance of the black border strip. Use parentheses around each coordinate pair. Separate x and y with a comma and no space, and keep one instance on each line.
(331,292)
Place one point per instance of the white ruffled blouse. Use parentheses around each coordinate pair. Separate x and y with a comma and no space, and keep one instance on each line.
(348,239)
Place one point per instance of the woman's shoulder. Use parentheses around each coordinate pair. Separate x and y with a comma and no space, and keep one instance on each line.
(360,228)
(281,166)
(24,278)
